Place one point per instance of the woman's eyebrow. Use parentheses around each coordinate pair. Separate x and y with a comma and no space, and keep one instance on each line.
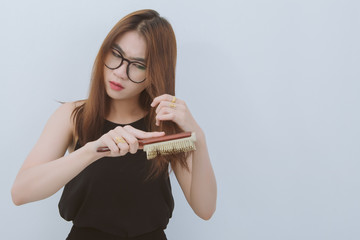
(117,47)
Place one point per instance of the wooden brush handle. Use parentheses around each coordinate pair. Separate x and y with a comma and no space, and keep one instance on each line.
(146,141)
(164,138)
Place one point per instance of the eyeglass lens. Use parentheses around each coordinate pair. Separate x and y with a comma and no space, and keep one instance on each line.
(136,71)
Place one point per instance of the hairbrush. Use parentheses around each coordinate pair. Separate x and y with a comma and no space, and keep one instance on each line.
(165,145)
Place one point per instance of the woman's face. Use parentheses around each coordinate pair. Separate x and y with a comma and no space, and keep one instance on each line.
(130,46)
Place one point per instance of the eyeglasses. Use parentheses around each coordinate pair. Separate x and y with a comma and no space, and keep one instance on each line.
(136,71)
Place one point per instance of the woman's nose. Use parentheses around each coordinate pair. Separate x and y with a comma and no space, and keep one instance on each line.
(120,72)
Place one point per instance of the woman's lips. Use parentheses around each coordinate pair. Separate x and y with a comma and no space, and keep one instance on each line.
(116,86)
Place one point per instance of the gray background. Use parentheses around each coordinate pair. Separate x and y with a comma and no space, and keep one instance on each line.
(274,84)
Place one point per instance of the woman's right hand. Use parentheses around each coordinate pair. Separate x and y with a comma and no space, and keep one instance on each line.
(120,141)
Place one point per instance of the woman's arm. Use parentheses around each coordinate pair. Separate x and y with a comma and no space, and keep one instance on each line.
(198,184)
(46,169)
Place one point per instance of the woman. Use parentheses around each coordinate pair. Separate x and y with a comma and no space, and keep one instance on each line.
(119,194)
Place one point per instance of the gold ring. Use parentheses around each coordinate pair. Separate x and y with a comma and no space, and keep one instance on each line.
(119,140)
(172,105)
(173,100)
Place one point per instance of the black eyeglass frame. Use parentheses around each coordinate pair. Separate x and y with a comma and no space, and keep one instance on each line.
(121,63)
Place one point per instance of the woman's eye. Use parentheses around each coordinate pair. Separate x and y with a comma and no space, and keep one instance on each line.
(116,54)
(139,66)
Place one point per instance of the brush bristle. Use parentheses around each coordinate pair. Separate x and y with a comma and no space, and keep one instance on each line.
(170,147)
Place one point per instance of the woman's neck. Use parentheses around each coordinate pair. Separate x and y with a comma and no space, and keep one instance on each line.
(125,111)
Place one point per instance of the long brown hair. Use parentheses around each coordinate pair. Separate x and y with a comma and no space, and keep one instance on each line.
(161,62)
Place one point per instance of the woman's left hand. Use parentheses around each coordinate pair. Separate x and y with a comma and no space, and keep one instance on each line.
(170,108)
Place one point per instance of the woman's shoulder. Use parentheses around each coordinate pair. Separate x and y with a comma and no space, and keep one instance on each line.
(69,107)
(64,115)
(74,104)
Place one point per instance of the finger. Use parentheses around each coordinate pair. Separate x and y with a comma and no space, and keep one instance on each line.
(142,134)
(166,117)
(160,98)
(165,111)
(177,105)
(123,146)
(108,141)
(161,105)
(164,97)
(131,140)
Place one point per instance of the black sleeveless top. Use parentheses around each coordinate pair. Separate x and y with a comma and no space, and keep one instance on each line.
(112,196)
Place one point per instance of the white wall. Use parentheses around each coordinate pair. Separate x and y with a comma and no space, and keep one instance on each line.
(274,84)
